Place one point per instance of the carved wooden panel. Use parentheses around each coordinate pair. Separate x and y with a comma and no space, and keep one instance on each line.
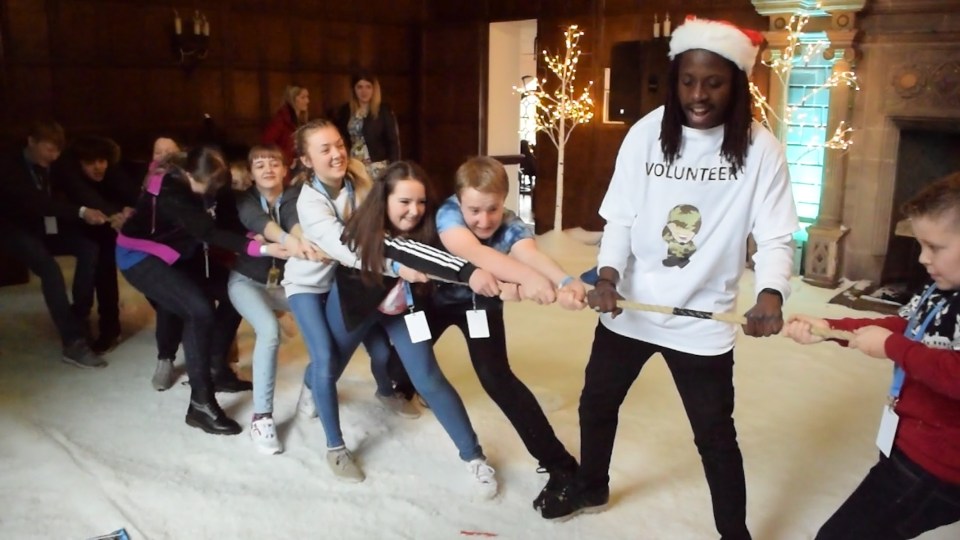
(32,46)
(110,67)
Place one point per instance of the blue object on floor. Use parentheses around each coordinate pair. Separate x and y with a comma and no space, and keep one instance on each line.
(590,277)
(120,534)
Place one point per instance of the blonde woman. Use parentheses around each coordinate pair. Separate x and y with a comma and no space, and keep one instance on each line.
(368,126)
(291,115)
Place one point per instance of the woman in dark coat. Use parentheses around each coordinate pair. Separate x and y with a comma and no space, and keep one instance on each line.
(368,126)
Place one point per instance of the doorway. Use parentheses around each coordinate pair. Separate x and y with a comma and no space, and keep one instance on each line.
(511,58)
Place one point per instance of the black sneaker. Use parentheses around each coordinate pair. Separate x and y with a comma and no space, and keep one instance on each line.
(227,381)
(105,343)
(574,500)
(558,480)
(80,355)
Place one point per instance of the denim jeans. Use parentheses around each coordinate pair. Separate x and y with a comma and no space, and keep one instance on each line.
(705,385)
(258,304)
(489,359)
(208,329)
(168,332)
(37,253)
(898,499)
(325,366)
(420,363)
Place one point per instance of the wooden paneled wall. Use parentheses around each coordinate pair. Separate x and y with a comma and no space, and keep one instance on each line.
(109,66)
(592,149)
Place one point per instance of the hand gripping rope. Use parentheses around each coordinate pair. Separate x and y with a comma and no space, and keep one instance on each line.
(731,318)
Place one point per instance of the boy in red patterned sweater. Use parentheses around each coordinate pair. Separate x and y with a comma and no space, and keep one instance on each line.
(915,487)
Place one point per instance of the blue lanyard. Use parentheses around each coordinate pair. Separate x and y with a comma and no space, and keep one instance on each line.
(319,186)
(914,332)
(275,215)
(409,294)
(37,180)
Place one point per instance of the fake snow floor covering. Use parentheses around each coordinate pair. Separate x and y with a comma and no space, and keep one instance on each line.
(86,452)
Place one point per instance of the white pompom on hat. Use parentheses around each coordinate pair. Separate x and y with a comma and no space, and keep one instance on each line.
(736,44)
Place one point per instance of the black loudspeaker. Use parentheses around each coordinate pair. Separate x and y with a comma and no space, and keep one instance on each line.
(626,82)
(638,74)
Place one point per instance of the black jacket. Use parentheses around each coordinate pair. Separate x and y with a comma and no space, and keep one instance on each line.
(358,300)
(110,195)
(179,218)
(380,133)
(255,220)
(28,194)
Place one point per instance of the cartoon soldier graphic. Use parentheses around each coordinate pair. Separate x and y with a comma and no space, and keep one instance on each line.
(683,223)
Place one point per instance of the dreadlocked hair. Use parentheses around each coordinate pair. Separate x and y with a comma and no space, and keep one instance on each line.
(366,230)
(737,120)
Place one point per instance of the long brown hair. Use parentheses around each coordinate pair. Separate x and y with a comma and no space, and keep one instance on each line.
(365,75)
(290,94)
(737,119)
(369,226)
(205,164)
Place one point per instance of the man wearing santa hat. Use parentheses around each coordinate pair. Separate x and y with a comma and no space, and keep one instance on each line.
(702,153)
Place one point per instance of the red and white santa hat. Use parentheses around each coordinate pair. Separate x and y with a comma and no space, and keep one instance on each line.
(736,44)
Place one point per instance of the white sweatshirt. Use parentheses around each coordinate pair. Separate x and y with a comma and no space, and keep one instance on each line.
(321,225)
(677,233)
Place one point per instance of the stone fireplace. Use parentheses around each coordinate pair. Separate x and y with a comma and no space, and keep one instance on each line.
(927,150)
(907,119)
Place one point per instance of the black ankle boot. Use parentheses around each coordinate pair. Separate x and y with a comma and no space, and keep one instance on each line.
(226,380)
(575,499)
(559,479)
(205,413)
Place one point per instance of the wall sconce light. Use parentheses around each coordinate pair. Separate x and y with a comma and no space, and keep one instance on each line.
(191,45)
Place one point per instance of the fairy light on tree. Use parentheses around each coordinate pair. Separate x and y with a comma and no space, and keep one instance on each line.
(559,112)
(798,53)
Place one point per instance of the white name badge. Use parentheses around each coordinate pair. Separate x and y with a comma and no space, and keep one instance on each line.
(50,224)
(477,323)
(417,326)
(888,429)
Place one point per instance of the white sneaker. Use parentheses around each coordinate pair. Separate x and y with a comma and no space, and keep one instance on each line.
(398,405)
(263,432)
(485,478)
(305,404)
(341,462)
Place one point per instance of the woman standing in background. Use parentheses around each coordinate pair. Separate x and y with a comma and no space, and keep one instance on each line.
(368,126)
(291,115)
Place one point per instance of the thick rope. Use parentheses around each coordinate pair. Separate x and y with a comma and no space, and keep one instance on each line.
(732,318)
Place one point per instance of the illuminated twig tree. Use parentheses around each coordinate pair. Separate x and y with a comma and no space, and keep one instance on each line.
(560,111)
(783,66)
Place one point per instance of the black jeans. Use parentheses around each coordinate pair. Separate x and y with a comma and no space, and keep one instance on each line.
(489,358)
(37,252)
(209,326)
(169,333)
(106,283)
(705,384)
(898,499)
